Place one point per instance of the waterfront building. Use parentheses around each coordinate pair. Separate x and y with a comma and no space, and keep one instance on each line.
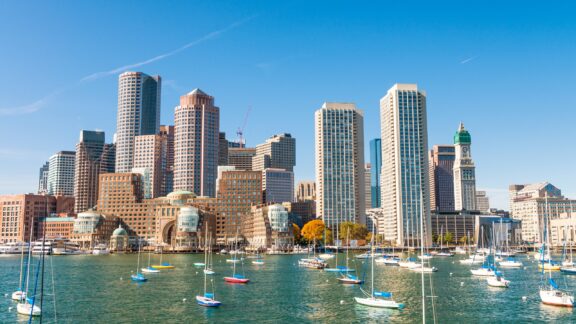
(339,139)
(441,176)
(61,173)
(196,125)
(87,167)
(306,190)
(56,226)
(222,168)
(167,131)
(150,160)
(222,149)
(464,172)
(482,202)
(563,229)
(138,114)
(120,240)
(21,213)
(91,228)
(241,157)
(238,192)
(405,198)
(43,179)
(367,186)
(268,227)
(301,211)
(375,170)
(459,224)
(278,152)
(530,203)
(500,229)
(277,185)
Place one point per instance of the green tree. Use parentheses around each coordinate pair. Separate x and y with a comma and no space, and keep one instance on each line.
(448,237)
(464,240)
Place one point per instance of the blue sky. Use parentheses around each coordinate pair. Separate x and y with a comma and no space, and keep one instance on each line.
(507,70)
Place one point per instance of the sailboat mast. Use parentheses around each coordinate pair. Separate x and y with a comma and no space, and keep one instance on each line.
(422,258)
(29,258)
(372,248)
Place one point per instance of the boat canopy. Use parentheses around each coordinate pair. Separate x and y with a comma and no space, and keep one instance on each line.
(411,259)
(209,295)
(238,276)
(352,277)
(165,263)
(382,294)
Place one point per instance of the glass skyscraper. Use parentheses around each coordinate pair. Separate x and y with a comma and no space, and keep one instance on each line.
(375,169)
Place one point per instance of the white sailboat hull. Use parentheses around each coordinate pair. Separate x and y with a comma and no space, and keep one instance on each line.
(482,272)
(424,269)
(497,282)
(511,264)
(326,256)
(18,295)
(556,298)
(374,302)
(27,309)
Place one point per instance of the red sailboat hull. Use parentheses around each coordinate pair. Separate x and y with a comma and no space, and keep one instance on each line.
(236,280)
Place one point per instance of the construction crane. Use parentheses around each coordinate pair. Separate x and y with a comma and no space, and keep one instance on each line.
(240,131)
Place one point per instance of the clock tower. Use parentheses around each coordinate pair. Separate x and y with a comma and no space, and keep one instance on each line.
(464,172)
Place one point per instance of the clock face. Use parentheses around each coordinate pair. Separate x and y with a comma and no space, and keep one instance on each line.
(465,149)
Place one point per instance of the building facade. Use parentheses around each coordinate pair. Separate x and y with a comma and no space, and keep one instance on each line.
(367,186)
(241,157)
(339,140)
(222,149)
(376,168)
(278,152)
(150,160)
(167,131)
(56,227)
(277,185)
(196,125)
(464,172)
(238,192)
(306,190)
(61,173)
(20,214)
(405,197)
(43,179)
(87,168)
(138,114)
(482,202)
(268,227)
(441,175)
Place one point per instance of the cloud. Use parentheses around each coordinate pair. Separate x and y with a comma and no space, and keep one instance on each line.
(38,104)
(468,59)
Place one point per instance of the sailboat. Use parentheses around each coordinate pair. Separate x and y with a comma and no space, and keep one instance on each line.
(337,267)
(348,278)
(149,268)
(138,277)
(497,280)
(259,260)
(236,278)
(510,262)
(550,292)
(208,298)
(26,305)
(487,268)
(373,298)
(443,252)
(162,265)
(20,294)
(568,266)
(208,255)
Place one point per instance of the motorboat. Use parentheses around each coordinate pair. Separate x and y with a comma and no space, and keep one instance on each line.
(14,248)
(101,249)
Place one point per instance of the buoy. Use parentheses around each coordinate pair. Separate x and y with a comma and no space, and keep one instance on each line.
(327,280)
(121,278)
(10,308)
(450,274)
(5,295)
(341,302)
(196,272)
(462,284)
(524,298)
(183,300)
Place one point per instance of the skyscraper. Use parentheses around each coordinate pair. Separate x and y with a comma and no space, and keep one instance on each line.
(222,149)
(482,202)
(87,168)
(241,157)
(464,172)
(277,185)
(404,177)
(367,186)
(306,190)
(108,164)
(43,179)
(138,114)
(61,173)
(278,152)
(150,160)
(441,175)
(375,169)
(339,138)
(168,179)
(196,125)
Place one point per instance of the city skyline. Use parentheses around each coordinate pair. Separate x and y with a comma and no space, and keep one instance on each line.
(506,110)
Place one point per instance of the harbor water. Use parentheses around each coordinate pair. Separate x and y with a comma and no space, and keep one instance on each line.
(98,289)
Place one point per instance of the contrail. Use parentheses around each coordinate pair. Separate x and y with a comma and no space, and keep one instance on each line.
(469,59)
(37,105)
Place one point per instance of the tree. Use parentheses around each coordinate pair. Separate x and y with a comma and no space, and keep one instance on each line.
(464,240)
(343,229)
(313,230)
(448,237)
(360,232)
(296,233)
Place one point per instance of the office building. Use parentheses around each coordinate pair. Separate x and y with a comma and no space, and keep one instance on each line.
(241,157)
(464,172)
(138,114)
(222,149)
(367,186)
(405,198)
(150,160)
(482,202)
(441,175)
(376,168)
(278,152)
(268,227)
(168,179)
(196,127)
(87,168)
(339,137)
(277,185)
(306,190)
(108,163)
(61,173)
(43,178)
